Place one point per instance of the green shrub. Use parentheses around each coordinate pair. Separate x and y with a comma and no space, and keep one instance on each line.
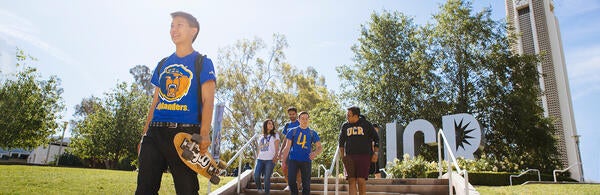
(410,168)
(483,171)
(125,163)
(69,160)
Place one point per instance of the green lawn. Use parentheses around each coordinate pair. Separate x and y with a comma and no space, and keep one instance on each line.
(545,189)
(20,179)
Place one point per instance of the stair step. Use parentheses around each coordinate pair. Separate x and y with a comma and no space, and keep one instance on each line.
(374,186)
(281,192)
(370,188)
(409,181)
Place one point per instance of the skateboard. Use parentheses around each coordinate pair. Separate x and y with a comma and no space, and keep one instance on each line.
(203,164)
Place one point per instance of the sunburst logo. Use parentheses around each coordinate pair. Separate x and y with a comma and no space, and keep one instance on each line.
(462,134)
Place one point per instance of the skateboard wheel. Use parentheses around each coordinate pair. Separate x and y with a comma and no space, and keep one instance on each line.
(188,155)
(196,138)
(215,180)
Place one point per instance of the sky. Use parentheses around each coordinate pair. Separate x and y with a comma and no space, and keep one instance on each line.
(91,45)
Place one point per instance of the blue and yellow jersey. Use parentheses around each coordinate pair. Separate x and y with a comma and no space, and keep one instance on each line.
(178,88)
(302,140)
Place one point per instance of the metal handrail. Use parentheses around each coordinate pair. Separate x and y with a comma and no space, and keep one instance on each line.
(241,149)
(448,150)
(330,170)
(523,173)
(240,152)
(319,170)
(558,170)
(387,176)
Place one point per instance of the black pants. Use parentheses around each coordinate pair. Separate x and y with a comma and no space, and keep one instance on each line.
(304,168)
(156,154)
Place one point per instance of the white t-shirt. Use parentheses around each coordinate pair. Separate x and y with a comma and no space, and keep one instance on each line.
(266,146)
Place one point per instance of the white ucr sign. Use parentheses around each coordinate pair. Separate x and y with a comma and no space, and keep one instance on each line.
(409,133)
(462,130)
(466,131)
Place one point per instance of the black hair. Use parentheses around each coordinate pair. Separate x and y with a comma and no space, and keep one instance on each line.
(191,21)
(355,110)
(292,109)
(265,130)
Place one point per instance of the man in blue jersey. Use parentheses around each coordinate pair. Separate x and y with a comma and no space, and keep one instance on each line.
(298,151)
(293,115)
(183,102)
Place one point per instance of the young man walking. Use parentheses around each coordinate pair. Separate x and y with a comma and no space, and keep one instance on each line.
(183,102)
(293,115)
(298,151)
(355,140)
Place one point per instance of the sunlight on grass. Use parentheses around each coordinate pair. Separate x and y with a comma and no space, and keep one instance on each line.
(18,179)
(541,189)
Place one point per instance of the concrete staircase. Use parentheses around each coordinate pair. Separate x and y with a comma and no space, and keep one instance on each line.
(374,186)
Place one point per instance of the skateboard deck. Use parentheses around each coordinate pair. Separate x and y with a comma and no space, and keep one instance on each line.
(203,164)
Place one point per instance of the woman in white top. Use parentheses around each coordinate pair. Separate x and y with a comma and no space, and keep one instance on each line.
(268,145)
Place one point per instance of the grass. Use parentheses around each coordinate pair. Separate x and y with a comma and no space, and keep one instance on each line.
(22,179)
(545,189)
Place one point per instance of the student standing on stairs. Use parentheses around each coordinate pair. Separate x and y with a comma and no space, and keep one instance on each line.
(293,115)
(298,151)
(268,146)
(356,137)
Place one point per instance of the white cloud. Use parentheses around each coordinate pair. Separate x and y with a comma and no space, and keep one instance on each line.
(571,8)
(584,62)
(584,71)
(14,28)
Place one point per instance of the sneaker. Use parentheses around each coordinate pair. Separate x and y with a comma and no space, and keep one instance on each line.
(287,188)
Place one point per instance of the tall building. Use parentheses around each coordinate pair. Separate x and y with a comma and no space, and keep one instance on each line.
(538,33)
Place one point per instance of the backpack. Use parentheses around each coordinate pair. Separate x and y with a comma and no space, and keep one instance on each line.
(198,66)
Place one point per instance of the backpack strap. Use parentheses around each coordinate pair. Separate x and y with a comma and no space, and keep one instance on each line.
(294,133)
(285,128)
(198,66)
(161,64)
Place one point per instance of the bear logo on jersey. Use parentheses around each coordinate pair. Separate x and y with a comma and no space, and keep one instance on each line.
(175,82)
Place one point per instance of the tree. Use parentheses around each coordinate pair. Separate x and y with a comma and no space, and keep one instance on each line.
(461,44)
(327,117)
(30,106)
(460,64)
(392,78)
(256,88)
(143,77)
(109,135)
(482,76)
(246,84)
(519,132)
